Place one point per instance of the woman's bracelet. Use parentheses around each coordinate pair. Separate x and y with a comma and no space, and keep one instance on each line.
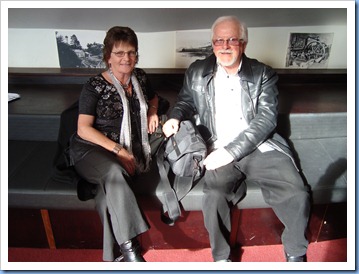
(152,106)
(117,149)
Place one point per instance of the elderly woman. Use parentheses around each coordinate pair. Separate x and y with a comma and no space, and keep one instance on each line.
(117,111)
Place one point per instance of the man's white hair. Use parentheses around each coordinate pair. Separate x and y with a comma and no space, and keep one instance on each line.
(242,26)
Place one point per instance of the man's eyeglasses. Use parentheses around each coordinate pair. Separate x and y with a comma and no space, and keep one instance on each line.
(121,53)
(230,41)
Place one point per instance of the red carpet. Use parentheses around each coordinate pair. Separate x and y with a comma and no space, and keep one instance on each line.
(326,251)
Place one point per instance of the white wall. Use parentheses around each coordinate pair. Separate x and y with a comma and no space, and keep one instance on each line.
(37,47)
(32,48)
(157,50)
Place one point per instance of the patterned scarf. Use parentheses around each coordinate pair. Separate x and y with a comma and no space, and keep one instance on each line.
(125,134)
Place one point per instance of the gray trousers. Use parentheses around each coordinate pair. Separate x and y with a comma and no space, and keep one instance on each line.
(115,201)
(282,188)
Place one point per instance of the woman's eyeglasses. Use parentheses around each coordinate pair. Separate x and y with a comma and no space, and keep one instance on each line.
(121,53)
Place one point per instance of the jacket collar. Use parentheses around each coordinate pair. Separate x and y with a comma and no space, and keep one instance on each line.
(245,73)
(210,66)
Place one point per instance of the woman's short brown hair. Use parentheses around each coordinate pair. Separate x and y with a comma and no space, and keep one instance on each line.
(116,35)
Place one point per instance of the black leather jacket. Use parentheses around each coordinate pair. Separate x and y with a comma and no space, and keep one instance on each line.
(259,105)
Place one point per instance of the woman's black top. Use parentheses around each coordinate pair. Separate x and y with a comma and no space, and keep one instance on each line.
(100,99)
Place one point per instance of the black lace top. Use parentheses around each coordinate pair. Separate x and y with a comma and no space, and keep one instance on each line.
(100,98)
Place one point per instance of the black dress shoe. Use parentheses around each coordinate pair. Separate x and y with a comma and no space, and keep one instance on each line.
(290,258)
(131,251)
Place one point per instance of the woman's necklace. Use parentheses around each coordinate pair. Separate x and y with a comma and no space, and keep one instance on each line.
(126,87)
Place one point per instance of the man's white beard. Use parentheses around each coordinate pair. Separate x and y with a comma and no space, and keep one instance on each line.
(228,63)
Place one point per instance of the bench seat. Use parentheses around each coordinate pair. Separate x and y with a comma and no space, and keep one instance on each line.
(319,141)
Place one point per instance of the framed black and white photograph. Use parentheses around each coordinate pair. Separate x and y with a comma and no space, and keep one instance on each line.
(309,50)
(80,49)
(192,45)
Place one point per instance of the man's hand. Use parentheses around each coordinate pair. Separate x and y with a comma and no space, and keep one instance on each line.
(218,158)
(170,127)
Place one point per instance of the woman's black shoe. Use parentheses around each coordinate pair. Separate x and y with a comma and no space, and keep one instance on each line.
(290,258)
(131,251)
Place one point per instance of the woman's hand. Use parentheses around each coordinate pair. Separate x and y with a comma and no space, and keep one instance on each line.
(152,120)
(127,160)
(152,117)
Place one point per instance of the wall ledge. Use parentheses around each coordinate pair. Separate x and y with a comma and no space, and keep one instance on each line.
(89,71)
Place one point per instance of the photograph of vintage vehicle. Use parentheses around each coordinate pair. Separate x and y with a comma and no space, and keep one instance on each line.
(309,50)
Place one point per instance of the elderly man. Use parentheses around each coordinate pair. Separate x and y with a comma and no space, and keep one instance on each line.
(234,98)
